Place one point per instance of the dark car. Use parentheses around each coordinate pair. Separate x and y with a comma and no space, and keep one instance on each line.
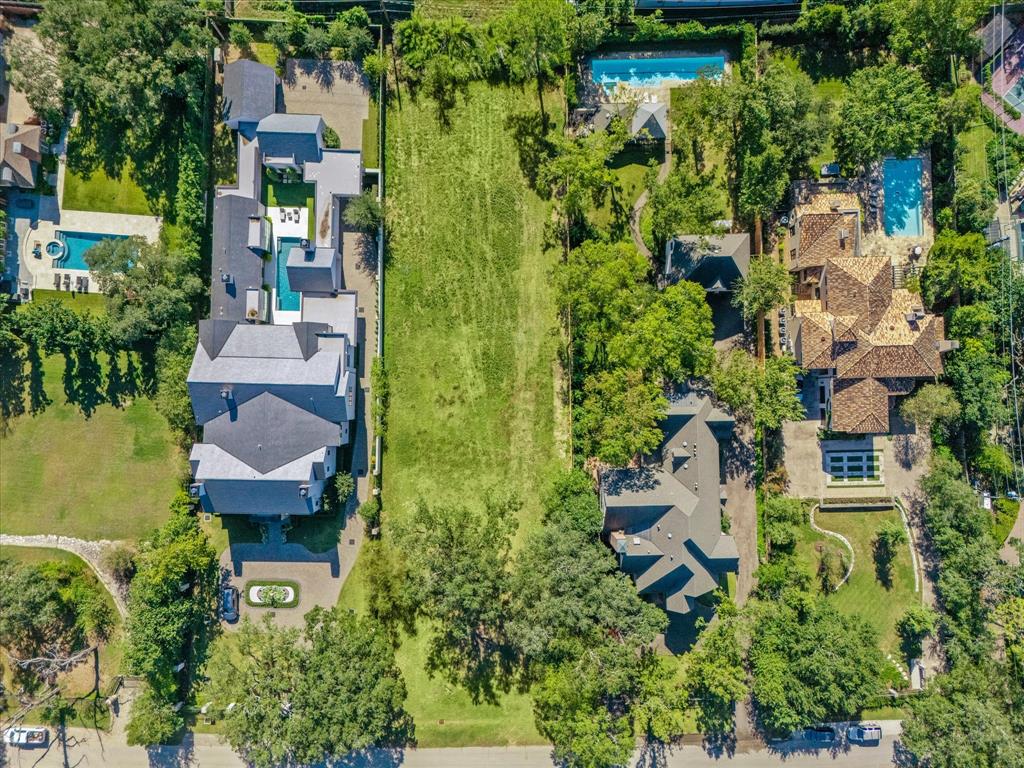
(229,604)
(820,734)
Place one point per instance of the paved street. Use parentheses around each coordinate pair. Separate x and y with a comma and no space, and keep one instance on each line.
(86,750)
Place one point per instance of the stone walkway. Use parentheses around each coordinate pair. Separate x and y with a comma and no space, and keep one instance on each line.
(90,551)
(1009,553)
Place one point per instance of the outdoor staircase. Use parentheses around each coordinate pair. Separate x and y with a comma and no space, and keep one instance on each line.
(899,276)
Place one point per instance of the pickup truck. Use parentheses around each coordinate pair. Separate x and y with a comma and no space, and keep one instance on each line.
(23,736)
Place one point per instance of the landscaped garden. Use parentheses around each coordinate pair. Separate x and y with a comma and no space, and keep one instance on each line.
(878,593)
(271,594)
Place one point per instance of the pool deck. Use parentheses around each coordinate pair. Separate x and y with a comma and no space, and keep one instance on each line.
(39,272)
(875,241)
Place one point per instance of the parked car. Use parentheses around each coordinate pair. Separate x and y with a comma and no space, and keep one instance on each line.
(820,734)
(229,604)
(864,733)
(25,737)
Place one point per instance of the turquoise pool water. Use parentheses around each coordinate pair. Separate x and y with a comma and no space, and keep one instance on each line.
(76,244)
(287,299)
(1015,96)
(651,72)
(903,197)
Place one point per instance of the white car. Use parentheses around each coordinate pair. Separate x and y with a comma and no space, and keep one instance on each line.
(868,733)
(22,736)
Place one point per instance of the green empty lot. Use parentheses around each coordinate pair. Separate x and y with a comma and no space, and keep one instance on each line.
(470,344)
(109,476)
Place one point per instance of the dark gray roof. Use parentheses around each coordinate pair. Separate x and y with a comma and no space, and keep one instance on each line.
(664,517)
(716,262)
(994,34)
(293,137)
(232,256)
(311,270)
(250,92)
(268,432)
(650,117)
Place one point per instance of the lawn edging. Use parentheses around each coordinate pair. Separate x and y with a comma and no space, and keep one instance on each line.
(294,586)
(911,544)
(840,537)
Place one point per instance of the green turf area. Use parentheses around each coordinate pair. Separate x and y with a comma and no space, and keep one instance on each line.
(371,144)
(470,340)
(1004,515)
(630,167)
(81,302)
(974,158)
(110,476)
(296,194)
(230,529)
(864,593)
(99,192)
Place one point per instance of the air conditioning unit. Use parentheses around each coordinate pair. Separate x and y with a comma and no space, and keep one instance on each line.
(225,277)
(195,490)
(225,393)
(303,491)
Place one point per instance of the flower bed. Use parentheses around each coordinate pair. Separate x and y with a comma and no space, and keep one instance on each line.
(271,594)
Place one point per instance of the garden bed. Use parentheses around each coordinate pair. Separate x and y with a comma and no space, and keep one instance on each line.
(271,594)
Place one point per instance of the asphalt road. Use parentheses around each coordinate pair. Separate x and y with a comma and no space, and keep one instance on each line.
(87,750)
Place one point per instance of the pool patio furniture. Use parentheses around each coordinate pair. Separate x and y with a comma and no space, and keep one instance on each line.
(67,281)
(56,280)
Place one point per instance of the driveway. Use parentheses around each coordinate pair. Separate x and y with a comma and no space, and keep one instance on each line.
(741,507)
(336,90)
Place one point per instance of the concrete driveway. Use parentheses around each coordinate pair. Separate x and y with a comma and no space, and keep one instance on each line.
(336,90)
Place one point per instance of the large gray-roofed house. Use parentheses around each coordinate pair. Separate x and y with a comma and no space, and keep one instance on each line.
(20,154)
(267,457)
(306,364)
(240,237)
(290,141)
(663,519)
(249,93)
(716,262)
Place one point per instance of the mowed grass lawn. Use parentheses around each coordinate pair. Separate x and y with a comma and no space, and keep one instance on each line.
(471,337)
(865,594)
(100,192)
(974,158)
(110,476)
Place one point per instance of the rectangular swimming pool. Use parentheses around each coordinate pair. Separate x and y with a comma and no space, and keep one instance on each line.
(76,244)
(287,299)
(904,197)
(651,72)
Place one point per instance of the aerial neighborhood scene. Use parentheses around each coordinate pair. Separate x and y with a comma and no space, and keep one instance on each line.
(511,383)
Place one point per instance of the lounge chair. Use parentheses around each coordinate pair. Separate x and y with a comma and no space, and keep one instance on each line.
(85,285)
(67,281)
(284,214)
(56,280)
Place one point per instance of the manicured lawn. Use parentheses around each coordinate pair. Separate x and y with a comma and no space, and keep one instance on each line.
(230,529)
(974,160)
(110,476)
(99,192)
(445,715)
(865,593)
(630,166)
(81,302)
(297,194)
(371,150)
(470,344)
(1004,515)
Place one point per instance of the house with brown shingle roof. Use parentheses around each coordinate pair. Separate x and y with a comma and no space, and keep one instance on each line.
(869,341)
(828,225)
(20,154)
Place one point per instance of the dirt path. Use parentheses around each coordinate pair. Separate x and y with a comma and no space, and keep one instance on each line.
(90,551)
(641,202)
(1009,553)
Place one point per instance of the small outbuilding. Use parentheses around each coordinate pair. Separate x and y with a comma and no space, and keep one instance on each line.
(249,93)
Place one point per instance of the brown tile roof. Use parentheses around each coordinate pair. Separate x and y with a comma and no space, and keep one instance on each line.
(877,338)
(860,405)
(829,201)
(820,238)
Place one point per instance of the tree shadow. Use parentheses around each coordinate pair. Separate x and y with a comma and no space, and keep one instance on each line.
(13,378)
(530,133)
(88,379)
(883,557)
(38,400)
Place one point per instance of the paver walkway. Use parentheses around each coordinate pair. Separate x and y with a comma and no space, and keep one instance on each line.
(1009,553)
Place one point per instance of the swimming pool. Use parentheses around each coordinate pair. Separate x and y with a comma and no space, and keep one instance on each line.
(652,72)
(76,244)
(1015,96)
(903,197)
(287,299)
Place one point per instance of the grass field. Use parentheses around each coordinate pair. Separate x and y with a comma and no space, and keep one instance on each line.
(974,160)
(1004,515)
(470,345)
(110,476)
(630,166)
(864,593)
(99,192)
(371,148)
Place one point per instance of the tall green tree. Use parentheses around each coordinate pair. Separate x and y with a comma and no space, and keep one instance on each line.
(619,416)
(766,287)
(959,269)
(888,110)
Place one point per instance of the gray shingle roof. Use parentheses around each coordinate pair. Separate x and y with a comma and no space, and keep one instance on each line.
(650,117)
(293,137)
(232,256)
(267,432)
(312,270)
(665,516)
(716,262)
(995,33)
(250,92)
